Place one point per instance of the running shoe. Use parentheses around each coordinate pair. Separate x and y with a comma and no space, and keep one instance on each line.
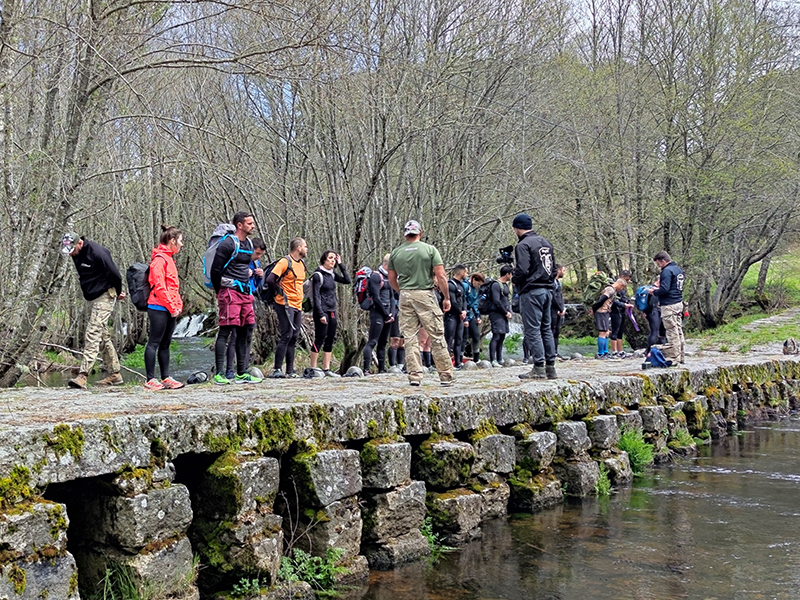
(154,385)
(172,384)
(277,374)
(220,379)
(246,378)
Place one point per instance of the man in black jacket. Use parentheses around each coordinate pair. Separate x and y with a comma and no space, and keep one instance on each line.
(101,285)
(382,313)
(670,298)
(533,279)
(455,317)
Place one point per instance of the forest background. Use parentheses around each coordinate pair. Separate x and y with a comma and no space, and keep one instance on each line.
(622,126)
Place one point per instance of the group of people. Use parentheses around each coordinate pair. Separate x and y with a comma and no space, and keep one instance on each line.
(412,305)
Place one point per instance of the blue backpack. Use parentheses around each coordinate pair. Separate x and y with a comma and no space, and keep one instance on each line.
(657,359)
(642,296)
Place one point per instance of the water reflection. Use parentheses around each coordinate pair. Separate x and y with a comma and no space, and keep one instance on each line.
(724,525)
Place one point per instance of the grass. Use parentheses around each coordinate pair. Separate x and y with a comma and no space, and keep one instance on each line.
(434,541)
(783,279)
(640,453)
(731,337)
(603,486)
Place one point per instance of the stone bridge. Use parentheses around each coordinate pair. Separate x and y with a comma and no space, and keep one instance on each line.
(150,484)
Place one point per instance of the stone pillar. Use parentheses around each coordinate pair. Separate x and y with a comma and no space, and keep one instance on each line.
(137,525)
(34,562)
(573,465)
(495,456)
(654,426)
(534,487)
(445,465)
(322,509)
(393,506)
(235,530)
(604,435)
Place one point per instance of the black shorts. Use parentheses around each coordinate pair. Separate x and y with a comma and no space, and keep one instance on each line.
(499,322)
(602,321)
(394,329)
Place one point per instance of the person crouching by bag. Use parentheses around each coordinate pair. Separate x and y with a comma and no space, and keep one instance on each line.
(163,307)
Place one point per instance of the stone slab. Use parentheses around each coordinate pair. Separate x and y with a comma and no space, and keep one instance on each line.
(496,453)
(337,525)
(237,484)
(39,526)
(573,439)
(326,476)
(385,466)
(456,515)
(443,464)
(400,550)
(536,450)
(52,578)
(394,513)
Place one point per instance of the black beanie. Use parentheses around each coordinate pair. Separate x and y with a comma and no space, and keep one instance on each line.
(522,221)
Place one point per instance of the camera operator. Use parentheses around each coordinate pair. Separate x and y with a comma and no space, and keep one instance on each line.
(533,277)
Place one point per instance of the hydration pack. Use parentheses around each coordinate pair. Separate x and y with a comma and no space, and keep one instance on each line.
(266,294)
(361,287)
(308,292)
(138,277)
(485,302)
(221,231)
(642,296)
(657,359)
(594,288)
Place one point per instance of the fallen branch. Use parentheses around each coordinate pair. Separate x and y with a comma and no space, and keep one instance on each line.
(79,353)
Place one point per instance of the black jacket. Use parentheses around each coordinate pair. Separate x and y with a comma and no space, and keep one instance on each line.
(381,293)
(323,290)
(670,285)
(535,263)
(620,302)
(500,302)
(457,304)
(557,294)
(237,273)
(97,272)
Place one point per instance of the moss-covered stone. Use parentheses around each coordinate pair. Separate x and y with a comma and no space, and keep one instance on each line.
(16,487)
(65,440)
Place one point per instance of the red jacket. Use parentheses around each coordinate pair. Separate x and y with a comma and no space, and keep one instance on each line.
(163,279)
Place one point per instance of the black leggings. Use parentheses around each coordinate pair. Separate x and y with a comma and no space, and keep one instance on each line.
(244,335)
(473,334)
(555,326)
(162,324)
(617,320)
(324,333)
(290,320)
(654,321)
(496,346)
(454,334)
(378,335)
(230,357)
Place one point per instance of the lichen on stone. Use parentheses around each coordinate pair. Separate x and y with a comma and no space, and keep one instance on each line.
(65,440)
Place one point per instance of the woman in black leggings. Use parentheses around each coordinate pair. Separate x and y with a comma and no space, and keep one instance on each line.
(323,290)
(653,315)
(163,307)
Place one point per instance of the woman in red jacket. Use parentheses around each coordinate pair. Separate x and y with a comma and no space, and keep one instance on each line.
(163,307)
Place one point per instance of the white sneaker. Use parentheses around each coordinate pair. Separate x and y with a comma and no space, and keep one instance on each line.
(496,364)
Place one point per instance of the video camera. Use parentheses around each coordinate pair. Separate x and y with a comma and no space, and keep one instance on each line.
(506,256)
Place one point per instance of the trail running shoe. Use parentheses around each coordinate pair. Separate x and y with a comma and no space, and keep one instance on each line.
(220,379)
(247,378)
(277,374)
(154,385)
(172,384)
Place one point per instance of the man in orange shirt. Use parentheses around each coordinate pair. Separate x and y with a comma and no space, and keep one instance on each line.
(286,280)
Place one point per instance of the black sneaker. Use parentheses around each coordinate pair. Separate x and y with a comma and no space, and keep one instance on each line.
(277,374)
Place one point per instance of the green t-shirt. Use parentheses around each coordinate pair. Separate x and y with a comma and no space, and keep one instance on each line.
(414,262)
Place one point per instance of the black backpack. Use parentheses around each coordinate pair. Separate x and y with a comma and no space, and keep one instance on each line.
(267,295)
(138,277)
(485,302)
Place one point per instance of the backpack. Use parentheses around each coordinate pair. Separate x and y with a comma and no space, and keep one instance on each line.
(265,293)
(308,293)
(657,358)
(361,287)
(594,287)
(485,302)
(221,231)
(138,277)
(642,296)
(456,296)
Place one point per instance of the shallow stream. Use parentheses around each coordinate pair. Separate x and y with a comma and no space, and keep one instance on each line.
(722,525)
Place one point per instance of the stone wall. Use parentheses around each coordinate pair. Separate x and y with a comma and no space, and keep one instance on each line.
(148,498)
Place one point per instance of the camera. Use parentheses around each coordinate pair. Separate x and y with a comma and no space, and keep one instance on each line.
(506,256)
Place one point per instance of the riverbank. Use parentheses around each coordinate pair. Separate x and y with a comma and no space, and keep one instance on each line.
(233,473)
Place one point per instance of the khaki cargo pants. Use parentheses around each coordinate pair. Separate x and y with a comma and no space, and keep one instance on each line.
(98,338)
(418,308)
(672,317)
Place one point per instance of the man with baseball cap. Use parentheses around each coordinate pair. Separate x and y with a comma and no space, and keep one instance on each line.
(101,285)
(414,268)
(533,280)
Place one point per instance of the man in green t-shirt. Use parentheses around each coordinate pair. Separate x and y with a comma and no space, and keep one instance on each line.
(414,268)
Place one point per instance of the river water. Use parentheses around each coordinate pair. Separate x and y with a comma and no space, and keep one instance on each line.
(722,525)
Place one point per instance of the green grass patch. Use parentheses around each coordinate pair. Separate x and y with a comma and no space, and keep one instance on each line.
(512,343)
(783,280)
(434,541)
(731,337)
(603,486)
(321,573)
(640,453)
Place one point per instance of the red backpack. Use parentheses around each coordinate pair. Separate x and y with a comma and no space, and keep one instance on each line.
(361,287)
